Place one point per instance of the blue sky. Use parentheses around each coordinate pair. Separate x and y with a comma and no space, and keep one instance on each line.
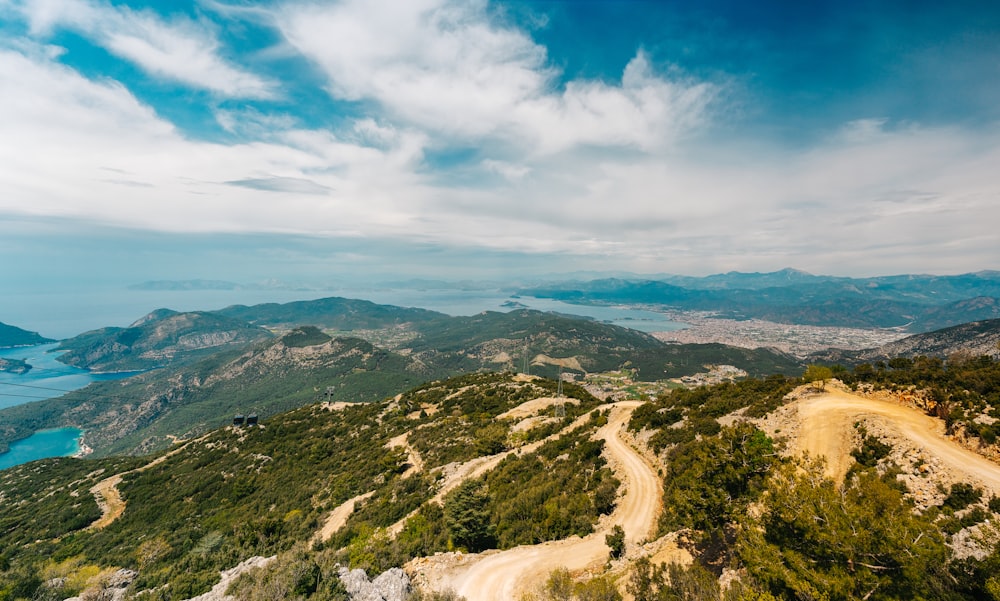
(324,140)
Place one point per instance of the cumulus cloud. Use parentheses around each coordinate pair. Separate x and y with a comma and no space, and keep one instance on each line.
(181,49)
(449,68)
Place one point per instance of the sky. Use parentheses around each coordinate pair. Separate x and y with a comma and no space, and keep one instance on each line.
(314,141)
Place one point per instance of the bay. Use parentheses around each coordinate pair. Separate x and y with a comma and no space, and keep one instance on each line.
(61,442)
(47,379)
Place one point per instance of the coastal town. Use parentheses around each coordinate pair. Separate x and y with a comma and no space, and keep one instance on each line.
(798,340)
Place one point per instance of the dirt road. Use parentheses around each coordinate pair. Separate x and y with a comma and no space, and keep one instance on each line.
(828,420)
(109,498)
(503,575)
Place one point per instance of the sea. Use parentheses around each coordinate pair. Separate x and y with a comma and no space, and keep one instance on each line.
(63,315)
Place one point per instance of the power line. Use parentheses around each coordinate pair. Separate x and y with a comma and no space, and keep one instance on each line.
(80,391)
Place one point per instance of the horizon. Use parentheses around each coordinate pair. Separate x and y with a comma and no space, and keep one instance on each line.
(338,141)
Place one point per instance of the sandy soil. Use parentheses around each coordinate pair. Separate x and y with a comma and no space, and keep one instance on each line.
(338,517)
(412,456)
(529,408)
(503,575)
(109,498)
(827,422)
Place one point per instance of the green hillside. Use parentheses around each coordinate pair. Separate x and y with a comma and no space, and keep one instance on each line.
(239,492)
(15,336)
(141,413)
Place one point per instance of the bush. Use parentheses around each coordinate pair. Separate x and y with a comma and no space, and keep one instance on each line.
(616,541)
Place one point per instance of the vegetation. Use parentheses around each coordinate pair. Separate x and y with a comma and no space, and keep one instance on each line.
(793,533)
(15,336)
(958,390)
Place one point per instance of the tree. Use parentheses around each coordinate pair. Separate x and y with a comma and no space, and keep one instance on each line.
(814,540)
(467,517)
(818,373)
(616,541)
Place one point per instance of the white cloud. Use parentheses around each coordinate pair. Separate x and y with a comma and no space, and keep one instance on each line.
(448,68)
(603,171)
(89,150)
(182,50)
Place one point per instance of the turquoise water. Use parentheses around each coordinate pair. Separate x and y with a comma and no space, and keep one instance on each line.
(47,379)
(62,442)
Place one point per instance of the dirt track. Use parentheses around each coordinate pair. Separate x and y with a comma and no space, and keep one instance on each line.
(502,576)
(109,498)
(827,421)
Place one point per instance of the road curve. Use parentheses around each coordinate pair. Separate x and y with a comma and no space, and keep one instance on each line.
(827,421)
(504,575)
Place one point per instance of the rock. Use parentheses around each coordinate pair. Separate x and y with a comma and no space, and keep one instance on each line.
(391,585)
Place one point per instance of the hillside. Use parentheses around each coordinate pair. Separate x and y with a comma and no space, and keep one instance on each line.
(160,338)
(239,492)
(492,486)
(146,411)
(215,366)
(15,336)
(553,342)
(970,339)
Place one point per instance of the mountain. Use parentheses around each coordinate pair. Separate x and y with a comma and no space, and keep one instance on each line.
(15,336)
(914,302)
(213,366)
(159,338)
(969,339)
(332,313)
(146,411)
(972,309)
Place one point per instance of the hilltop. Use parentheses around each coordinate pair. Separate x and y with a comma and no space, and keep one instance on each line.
(15,336)
(162,337)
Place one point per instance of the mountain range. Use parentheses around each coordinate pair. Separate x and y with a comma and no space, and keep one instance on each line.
(914,303)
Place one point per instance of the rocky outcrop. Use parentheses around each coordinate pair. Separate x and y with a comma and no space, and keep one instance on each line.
(111,588)
(218,592)
(392,585)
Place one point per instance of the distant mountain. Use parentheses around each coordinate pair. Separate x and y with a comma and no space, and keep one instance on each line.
(914,302)
(973,309)
(162,337)
(975,338)
(333,313)
(15,336)
(186,285)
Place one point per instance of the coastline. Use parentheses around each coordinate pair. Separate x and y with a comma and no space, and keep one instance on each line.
(82,448)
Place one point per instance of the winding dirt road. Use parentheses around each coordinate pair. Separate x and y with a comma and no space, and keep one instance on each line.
(503,575)
(827,421)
